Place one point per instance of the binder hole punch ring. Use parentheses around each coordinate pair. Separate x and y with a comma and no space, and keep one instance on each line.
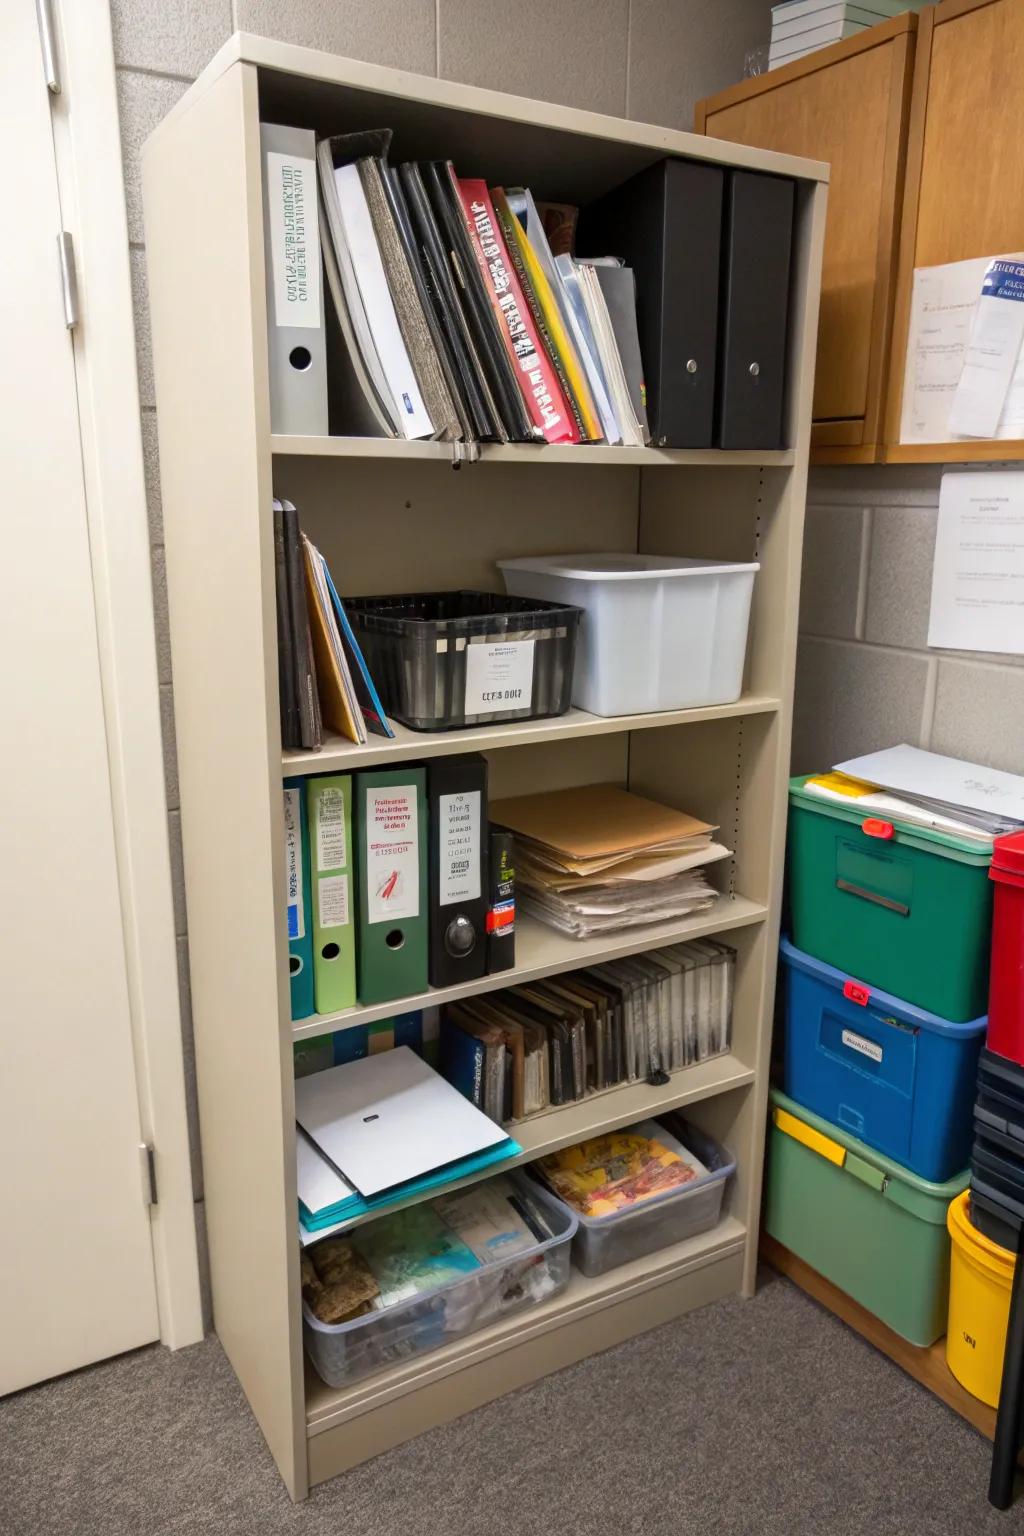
(300,358)
(294,964)
(330,952)
(395,939)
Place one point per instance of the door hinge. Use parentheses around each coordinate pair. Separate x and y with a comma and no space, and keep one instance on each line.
(147,1168)
(48,43)
(69,278)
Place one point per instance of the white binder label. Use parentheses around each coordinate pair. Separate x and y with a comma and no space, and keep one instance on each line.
(459,847)
(331,852)
(499,676)
(332,900)
(294,240)
(392,854)
(293,863)
(858,1043)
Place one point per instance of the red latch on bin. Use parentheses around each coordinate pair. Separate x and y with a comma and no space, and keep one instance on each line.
(856,992)
(873,827)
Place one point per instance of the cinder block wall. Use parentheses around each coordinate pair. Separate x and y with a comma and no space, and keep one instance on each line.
(865,675)
(650,60)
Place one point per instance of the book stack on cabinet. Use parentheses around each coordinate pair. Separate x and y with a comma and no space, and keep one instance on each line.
(390,516)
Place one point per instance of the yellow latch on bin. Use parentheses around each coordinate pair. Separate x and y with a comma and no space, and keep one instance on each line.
(823,1145)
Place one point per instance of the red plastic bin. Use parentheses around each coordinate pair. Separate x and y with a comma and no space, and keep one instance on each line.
(1006,984)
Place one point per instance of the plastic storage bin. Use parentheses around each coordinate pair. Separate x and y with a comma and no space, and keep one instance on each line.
(344,1352)
(897,1077)
(1006,987)
(442,660)
(899,906)
(997,1162)
(658,632)
(873,1228)
(980,1278)
(604,1242)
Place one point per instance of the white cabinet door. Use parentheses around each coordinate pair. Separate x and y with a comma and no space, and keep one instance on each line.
(76,1260)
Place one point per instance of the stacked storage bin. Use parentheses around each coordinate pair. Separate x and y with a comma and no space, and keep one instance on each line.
(885,982)
(985,1229)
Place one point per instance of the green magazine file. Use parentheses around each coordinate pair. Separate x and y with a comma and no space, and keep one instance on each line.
(329,804)
(391,944)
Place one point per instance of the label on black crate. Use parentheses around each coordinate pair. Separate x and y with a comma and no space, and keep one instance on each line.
(499,676)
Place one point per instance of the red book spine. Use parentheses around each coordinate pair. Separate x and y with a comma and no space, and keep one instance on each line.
(537,379)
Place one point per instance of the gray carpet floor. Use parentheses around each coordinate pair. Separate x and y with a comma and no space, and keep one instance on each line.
(743,1419)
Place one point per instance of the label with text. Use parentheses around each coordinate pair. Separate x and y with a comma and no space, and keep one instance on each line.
(392,854)
(332,901)
(499,676)
(331,849)
(293,863)
(294,240)
(458,835)
(865,1047)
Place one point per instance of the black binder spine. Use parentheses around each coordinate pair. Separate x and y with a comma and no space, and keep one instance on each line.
(457,814)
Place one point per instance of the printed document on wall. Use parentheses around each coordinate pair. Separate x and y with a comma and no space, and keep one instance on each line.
(978,574)
(944,309)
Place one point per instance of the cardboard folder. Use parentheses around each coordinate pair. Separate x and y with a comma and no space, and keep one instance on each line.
(596,822)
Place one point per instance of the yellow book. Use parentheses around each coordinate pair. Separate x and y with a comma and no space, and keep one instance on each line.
(542,300)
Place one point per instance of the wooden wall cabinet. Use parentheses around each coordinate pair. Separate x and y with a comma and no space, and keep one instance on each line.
(964,193)
(848,105)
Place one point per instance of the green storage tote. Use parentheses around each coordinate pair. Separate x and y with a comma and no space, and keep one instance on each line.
(899,907)
(870,1226)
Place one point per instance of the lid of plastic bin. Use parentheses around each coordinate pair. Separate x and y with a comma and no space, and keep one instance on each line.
(909,833)
(877,1000)
(626,567)
(918,1196)
(1008,854)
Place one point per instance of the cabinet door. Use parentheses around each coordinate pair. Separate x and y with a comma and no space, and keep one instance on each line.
(848,105)
(76,1277)
(965,170)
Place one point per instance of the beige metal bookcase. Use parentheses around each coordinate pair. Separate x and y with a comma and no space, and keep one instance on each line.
(393,516)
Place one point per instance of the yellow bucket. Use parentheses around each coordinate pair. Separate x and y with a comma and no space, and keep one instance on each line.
(980,1277)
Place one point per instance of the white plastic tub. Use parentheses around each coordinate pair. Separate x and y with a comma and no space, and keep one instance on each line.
(604,1242)
(343,1352)
(658,632)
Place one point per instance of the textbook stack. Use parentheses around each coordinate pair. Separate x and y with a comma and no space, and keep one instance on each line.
(803,26)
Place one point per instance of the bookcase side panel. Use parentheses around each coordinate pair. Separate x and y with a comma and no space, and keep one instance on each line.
(203,216)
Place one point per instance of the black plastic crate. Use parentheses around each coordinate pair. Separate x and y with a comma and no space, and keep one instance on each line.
(442,660)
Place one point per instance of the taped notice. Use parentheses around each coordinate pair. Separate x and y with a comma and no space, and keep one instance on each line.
(392,854)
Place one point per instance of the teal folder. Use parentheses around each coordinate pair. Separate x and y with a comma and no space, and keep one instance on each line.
(299,896)
(357,1205)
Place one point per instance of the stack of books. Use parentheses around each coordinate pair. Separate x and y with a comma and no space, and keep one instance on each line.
(597,859)
(525,346)
(803,26)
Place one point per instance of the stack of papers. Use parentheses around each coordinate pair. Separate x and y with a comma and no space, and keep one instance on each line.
(374,1131)
(803,26)
(944,794)
(596,859)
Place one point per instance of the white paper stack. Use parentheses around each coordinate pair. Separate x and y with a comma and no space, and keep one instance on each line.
(804,26)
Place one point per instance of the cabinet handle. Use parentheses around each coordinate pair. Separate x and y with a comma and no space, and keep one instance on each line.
(882,901)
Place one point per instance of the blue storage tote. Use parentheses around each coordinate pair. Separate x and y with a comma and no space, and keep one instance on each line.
(898,1078)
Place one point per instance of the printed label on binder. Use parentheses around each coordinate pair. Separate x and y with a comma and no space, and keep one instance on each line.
(865,1047)
(293,863)
(459,847)
(330,830)
(392,854)
(294,240)
(499,676)
(332,899)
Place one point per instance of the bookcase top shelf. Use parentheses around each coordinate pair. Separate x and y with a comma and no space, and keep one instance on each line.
(340,756)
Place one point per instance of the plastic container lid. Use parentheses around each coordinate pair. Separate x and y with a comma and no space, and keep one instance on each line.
(906,1013)
(625,567)
(944,844)
(1008,854)
(987,1255)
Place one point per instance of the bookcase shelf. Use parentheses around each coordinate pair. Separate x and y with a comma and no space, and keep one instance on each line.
(340,756)
(391,516)
(543,951)
(539,455)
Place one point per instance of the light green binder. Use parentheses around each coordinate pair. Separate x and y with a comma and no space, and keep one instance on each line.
(329,804)
(391,827)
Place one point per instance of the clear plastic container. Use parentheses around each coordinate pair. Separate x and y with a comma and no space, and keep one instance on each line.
(659,632)
(604,1242)
(443,660)
(344,1352)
